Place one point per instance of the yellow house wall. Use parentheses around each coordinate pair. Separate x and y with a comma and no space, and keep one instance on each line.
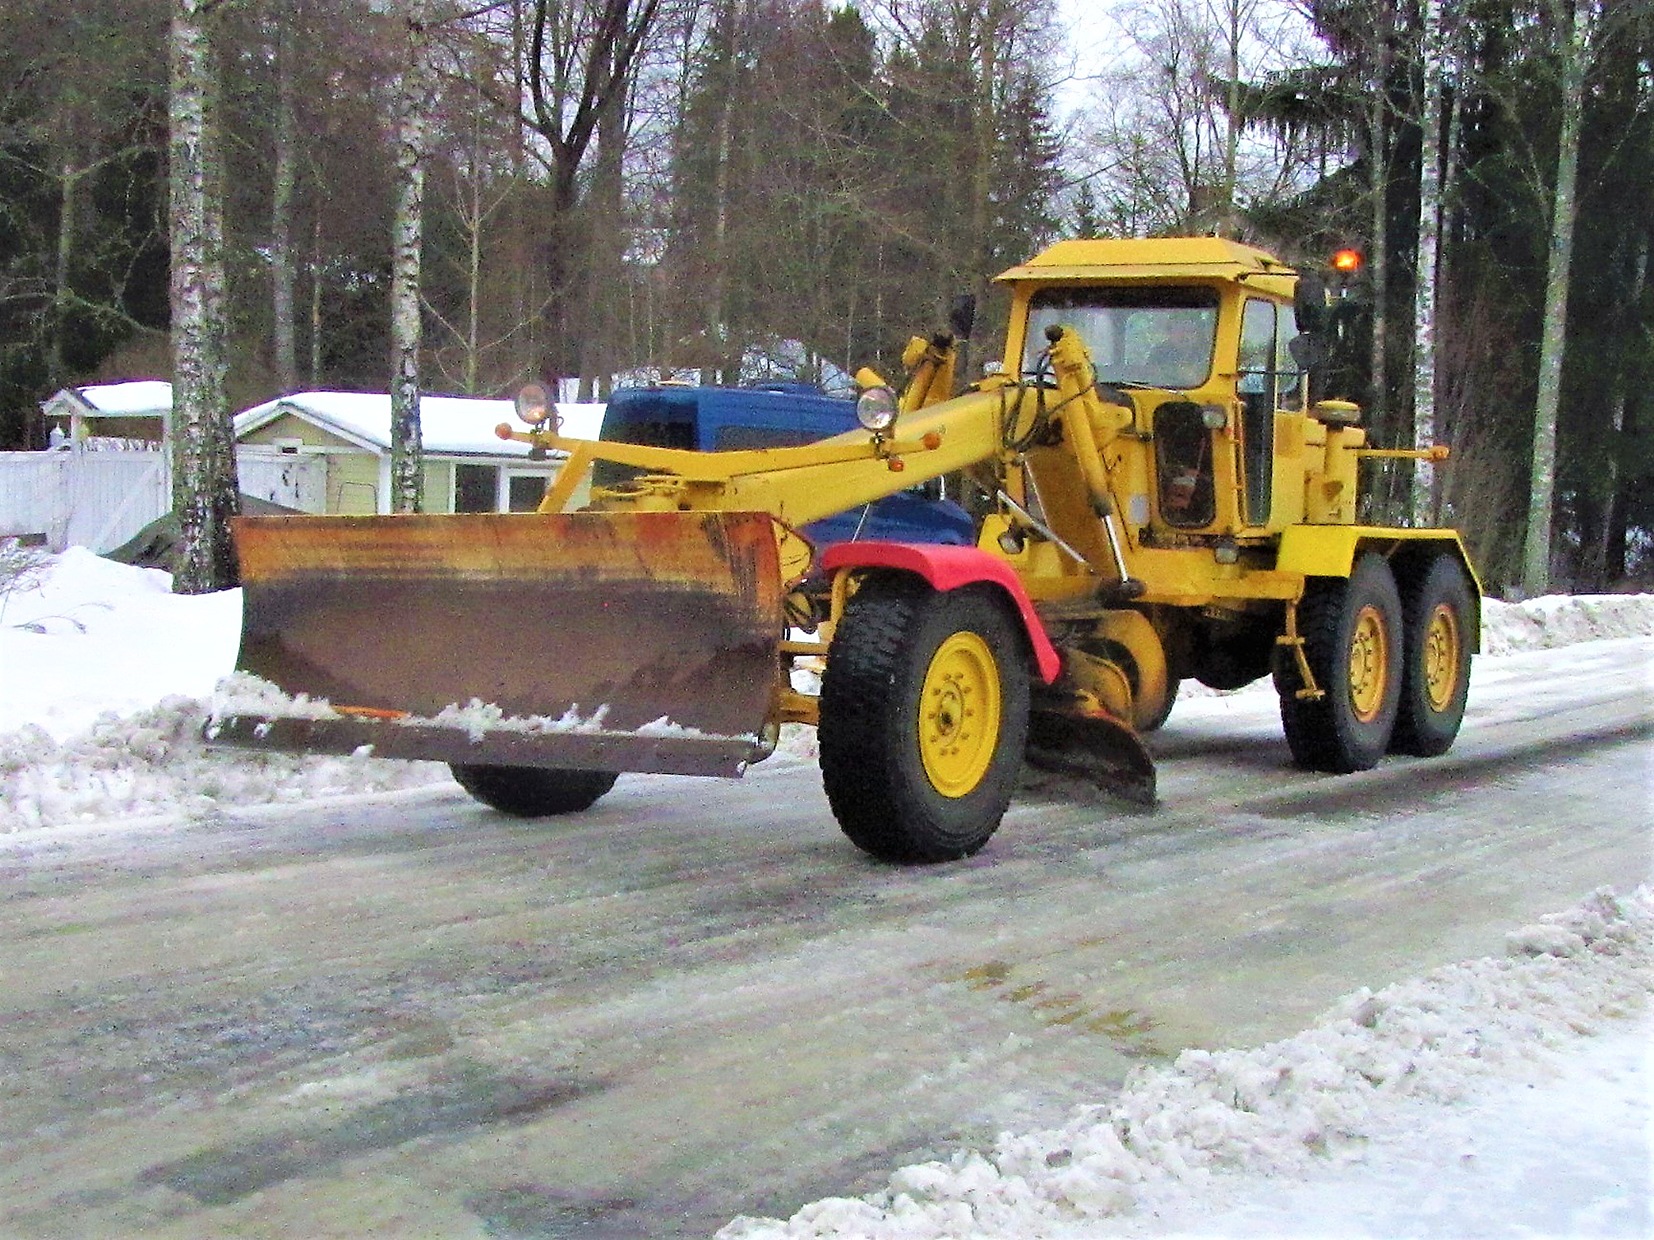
(289,427)
(353,483)
(439,486)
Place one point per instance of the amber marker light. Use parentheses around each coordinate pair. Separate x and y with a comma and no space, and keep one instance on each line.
(1347,261)
(504,431)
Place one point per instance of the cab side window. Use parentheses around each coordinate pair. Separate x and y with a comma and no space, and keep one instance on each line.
(1261,346)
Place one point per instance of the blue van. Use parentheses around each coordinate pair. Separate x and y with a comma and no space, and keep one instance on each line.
(782,415)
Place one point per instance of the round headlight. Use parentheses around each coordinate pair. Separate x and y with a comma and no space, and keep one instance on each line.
(533,404)
(876,409)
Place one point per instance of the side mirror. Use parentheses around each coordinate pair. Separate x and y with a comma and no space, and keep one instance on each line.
(962,315)
(1309,302)
(1310,351)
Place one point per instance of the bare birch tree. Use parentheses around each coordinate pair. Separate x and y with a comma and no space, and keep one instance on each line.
(407,449)
(1573,26)
(205,495)
(284,178)
(1425,279)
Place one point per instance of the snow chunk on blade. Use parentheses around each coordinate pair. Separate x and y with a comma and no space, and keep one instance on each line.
(248,712)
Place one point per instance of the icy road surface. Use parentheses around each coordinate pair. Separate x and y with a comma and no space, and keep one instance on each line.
(404,1015)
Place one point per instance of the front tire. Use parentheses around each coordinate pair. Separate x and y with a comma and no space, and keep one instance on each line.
(1352,634)
(1439,615)
(532,791)
(924,716)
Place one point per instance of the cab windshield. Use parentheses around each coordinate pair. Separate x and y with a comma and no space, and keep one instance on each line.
(1159,337)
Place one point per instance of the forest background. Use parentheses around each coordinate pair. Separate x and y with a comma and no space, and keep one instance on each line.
(456,197)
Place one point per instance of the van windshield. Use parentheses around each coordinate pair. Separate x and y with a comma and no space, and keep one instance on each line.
(651,424)
(1159,337)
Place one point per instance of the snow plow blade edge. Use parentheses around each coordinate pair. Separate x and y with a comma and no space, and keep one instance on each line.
(1095,748)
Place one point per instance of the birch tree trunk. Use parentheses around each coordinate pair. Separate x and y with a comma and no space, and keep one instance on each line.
(718,325)
(407,450)
(204,478)
(1573,32)
(68,231)
(1233,21)
(1609,557)
(1378,264)
(316,268)
(1424,283)
(284,178)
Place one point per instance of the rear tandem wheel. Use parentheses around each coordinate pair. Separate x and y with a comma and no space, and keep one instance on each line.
(924,716)
(1439,616)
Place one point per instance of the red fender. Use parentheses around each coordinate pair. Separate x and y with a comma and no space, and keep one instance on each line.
(948,567)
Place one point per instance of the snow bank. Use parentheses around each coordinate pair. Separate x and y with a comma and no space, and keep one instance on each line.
(1563,620)
(1278,1108)
(153,762)
(98,636)
(103,677)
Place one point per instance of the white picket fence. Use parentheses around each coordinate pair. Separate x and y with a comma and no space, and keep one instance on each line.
(99,498)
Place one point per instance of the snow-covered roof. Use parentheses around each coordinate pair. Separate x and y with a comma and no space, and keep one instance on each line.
(460,425)
(138,398)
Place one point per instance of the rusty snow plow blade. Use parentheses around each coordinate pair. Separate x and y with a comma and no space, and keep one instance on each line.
(590,641)
(1096,747)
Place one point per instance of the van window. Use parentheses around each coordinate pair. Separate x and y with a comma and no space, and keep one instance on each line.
(735,438)
(645,431)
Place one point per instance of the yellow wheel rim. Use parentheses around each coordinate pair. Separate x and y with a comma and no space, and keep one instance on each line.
(959,712)
(1441,657)
(1369,664)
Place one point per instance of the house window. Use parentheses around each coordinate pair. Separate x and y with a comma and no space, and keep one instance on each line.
(476,488)
(524,492)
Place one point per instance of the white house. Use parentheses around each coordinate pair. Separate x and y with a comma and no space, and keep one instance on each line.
(344,439)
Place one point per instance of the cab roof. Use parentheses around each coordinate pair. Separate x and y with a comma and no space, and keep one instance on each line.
(1152,258)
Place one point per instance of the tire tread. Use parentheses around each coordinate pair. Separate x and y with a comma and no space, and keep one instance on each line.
(867,767)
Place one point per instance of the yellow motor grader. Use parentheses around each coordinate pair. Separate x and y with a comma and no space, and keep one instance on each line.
(1160,499)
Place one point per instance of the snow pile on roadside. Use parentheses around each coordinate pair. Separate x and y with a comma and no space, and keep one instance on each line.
(103,677)
(98,636)
(1279,1108)
(154,762)
(1563,620)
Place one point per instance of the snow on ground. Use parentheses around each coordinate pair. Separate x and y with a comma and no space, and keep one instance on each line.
(1498,1097)
(1376,1121)
(104,675)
